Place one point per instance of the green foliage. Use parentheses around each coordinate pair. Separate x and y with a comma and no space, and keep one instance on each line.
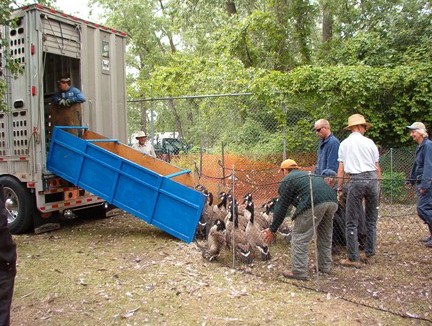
(376,61)
(393,187)
(390,98)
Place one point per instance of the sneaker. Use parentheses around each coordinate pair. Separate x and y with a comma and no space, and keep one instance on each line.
(293,276)
(429,243)
(426,238)
(367,259)
(350,263)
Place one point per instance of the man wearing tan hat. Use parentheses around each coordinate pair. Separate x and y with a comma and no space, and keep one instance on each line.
(295,190)
(359,158)
(421,176)
(143,145)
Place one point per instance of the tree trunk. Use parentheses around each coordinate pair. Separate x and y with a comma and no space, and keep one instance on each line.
(230,7)
(327,27)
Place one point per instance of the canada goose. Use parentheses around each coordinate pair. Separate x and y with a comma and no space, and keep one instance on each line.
(222,205)
(284,229)
(216,240)
(241,219)
(203,223)
(235,234)
(254,235)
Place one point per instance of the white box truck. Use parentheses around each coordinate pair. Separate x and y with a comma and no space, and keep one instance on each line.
(49,44)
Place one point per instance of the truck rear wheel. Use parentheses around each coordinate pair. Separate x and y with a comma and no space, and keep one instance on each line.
(20,205)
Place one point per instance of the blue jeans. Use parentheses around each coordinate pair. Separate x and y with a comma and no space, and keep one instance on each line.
(362,186)
(424,206)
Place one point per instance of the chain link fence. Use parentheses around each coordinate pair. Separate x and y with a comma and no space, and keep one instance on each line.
(235,144)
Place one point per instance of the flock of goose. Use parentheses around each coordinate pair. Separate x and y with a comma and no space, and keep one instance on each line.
(236,227)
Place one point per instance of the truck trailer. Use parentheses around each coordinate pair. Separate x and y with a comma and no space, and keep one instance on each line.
(49,44)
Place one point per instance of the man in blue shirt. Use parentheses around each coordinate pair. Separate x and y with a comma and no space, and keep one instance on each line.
(421,176)
(67,94)
(328,147)
(66,105)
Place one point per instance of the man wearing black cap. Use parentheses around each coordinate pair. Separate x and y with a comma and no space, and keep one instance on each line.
(66,104)
(421,176)
(67,94)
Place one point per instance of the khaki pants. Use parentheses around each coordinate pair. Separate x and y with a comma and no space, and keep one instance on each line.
(302,235)
(67,116)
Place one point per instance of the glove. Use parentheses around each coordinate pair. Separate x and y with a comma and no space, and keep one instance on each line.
(64,102)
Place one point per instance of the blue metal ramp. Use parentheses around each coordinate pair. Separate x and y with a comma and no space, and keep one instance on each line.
(150,196)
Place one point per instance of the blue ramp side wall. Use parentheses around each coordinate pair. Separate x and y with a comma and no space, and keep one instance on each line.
(156,199)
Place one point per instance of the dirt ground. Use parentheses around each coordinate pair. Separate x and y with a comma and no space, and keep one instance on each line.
(121,271)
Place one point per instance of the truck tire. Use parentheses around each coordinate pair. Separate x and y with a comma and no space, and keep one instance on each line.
(20,205)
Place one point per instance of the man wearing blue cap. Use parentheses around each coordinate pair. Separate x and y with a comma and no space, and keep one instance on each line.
(421,176)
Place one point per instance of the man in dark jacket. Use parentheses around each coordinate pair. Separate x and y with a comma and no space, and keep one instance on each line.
(421,176)
(7,263)
(295,189)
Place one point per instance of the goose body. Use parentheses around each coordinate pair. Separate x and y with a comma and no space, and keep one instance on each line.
(216,240)
(238,236)
(254,235)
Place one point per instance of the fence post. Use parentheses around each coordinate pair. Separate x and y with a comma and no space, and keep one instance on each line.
(314,226)
(284,110)
(233,215)
(391,176)
(223,164)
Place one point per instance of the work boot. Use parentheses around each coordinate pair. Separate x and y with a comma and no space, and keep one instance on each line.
(291,275)
(367,259)
(350,263)
(426,238)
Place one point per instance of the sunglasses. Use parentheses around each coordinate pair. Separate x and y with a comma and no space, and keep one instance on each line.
(318,129)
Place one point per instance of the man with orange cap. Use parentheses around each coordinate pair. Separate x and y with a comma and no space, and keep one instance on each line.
(295,189)
(359,158)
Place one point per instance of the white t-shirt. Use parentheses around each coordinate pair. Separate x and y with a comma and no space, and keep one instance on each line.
(147,148)
(358,154)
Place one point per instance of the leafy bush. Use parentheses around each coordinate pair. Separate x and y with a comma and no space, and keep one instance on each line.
(393,187)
